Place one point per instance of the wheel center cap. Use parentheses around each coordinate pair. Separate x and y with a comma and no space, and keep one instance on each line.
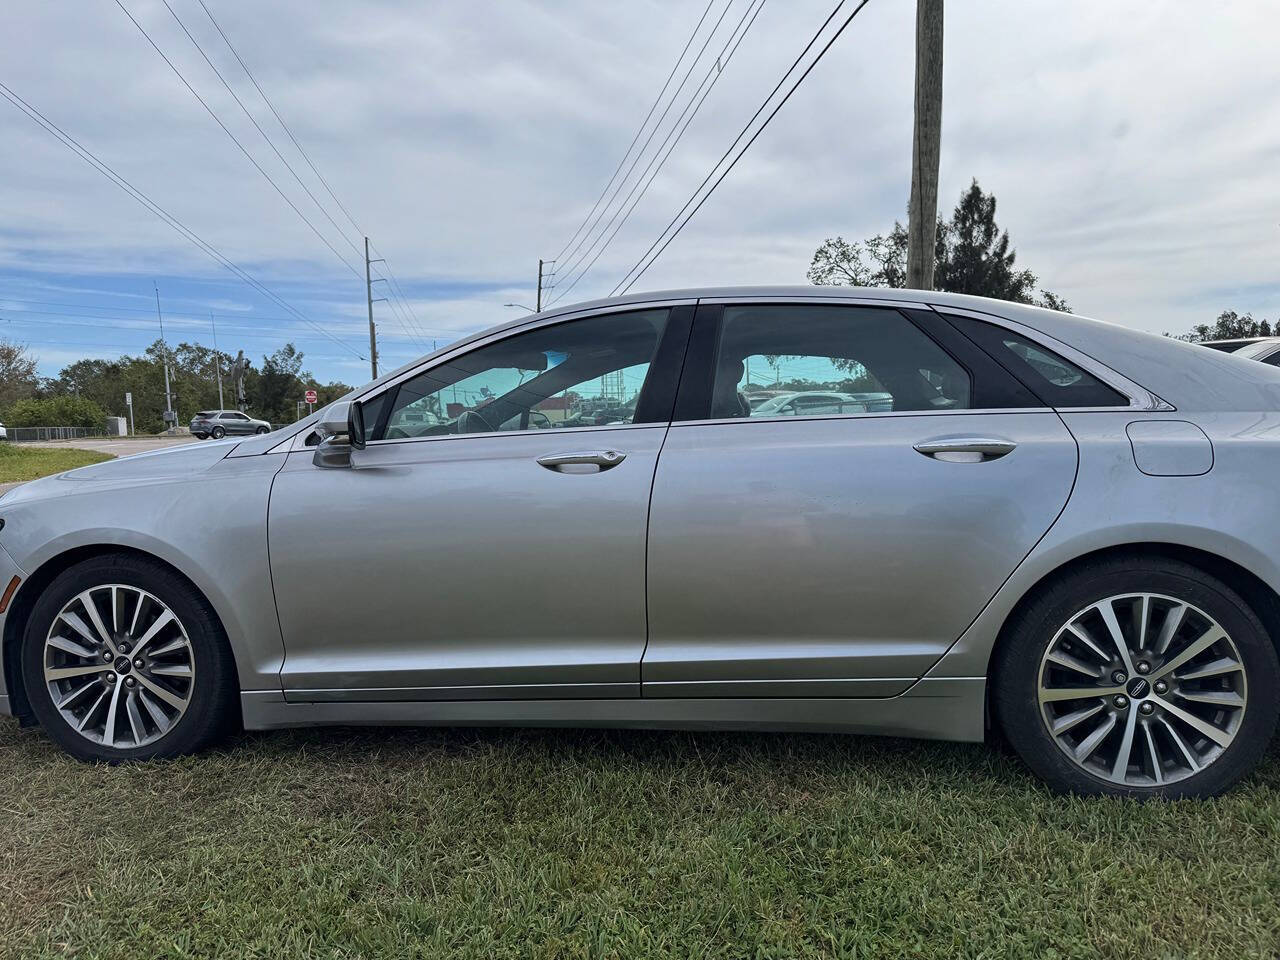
(123,664)
(1139,687)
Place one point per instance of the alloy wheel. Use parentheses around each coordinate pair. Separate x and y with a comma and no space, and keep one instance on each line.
(1142,689)
(119,666)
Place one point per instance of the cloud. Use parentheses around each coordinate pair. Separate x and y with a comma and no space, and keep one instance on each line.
(1133,156)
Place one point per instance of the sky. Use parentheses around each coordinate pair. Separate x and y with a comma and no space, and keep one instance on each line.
(1135,157)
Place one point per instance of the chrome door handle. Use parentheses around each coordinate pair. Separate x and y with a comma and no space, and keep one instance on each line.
(965,449)
(604,459)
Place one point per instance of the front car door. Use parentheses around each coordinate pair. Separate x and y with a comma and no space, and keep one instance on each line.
(838,555)
(489,542)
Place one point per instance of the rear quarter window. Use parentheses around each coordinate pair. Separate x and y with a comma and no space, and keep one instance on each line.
(1054,379)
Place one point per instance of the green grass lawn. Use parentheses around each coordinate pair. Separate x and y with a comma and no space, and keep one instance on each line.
(21,463)
(443,843)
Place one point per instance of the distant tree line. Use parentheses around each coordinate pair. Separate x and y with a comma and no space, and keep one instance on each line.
(1230,326)
(86,392)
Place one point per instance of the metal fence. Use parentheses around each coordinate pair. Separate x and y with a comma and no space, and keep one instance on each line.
(35,434)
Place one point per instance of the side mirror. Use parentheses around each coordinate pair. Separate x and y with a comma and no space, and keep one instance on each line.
(341,430)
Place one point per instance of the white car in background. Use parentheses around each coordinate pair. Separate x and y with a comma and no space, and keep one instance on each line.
(3,434)
(808,404)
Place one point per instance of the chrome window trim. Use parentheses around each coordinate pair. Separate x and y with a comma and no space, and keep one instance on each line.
(1140,398)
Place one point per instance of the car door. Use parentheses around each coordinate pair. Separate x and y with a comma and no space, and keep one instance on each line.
(234,423)
(839,555)
(489,540)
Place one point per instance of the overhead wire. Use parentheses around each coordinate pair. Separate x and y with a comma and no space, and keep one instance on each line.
(674,135)
(101,166)
(641,266)
(574,257)
(644,123)
(234,139)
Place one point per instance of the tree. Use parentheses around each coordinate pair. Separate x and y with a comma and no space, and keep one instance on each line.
(1231,326)
(63,411)
(17,373)
(972,255)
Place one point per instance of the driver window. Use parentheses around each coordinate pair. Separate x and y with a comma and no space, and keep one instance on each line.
(582,373)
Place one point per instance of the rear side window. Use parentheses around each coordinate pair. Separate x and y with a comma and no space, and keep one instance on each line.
(808,360)
(1053,378)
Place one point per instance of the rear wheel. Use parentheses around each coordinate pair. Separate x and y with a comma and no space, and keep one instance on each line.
(217,433)
(1138,676)
(123,659)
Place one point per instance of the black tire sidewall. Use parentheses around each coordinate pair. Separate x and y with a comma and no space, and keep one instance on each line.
(1016,674)
(217,433)
(210,709)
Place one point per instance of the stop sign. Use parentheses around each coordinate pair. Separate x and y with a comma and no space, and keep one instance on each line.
(310,396)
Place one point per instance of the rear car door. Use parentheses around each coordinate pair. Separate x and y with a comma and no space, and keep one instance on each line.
(838,554)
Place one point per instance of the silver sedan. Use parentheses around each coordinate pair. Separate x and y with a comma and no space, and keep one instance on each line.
(1056,530)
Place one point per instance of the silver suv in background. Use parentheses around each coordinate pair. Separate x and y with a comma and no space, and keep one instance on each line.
(220,423)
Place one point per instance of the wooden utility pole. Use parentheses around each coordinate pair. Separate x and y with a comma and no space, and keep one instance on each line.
(368,290)
(922,212)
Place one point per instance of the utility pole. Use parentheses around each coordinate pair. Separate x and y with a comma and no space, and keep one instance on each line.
(170,416)
(542,264)
(922,211)
(217,358)
(368,288)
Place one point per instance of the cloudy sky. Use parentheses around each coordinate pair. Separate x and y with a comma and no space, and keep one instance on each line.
(1136,158)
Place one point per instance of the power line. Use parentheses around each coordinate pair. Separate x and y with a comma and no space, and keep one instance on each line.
(72,144)
(280,119)
(699,97)
(225,129)
(645,146)
(410,321)
(217,73)
(674,67)
(641,266)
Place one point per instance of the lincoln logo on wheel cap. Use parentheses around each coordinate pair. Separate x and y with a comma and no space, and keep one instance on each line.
(1139,687)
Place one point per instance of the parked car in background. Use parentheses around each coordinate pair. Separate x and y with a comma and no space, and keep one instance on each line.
(808,403)
(4,434)
(221,423)
(1230,346)
(1264,349)
(1061,532)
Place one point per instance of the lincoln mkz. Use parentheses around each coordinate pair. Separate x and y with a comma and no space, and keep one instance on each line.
(1046,528)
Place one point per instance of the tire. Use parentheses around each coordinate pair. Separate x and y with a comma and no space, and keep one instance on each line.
(202,436)
(139,726)
(217,433)
(1238,697)
(262,430)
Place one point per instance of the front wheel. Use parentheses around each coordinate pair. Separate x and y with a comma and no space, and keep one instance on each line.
(124,660)
(1138,676)
(262,430)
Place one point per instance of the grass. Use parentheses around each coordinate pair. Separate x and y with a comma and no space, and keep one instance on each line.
(19,463)
(443,843)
